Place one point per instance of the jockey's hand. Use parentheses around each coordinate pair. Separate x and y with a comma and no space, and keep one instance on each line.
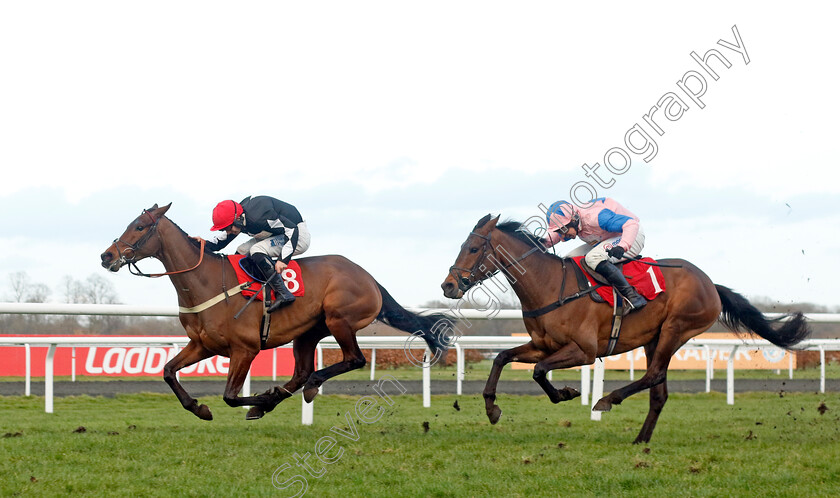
(279,266)
(616,252)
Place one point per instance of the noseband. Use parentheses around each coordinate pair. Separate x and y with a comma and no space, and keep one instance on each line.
(132,262)
(465,283)
(123,257)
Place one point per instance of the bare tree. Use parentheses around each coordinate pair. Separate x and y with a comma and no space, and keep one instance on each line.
(26,291)
(72,290)
(19,282)
(98,290)
(38,293)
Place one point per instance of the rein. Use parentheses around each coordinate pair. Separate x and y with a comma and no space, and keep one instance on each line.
(561,301)
(174,272)
(466,283)
(132,262)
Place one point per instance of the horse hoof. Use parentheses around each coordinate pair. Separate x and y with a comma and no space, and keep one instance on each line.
(309,394)
(203,413)
(602,406)
(254,413)
(570,393)
(494,414)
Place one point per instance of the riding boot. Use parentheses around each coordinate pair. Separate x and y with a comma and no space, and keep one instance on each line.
(281,293)
(617,280)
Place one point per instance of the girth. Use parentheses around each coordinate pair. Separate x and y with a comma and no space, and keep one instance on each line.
(584,288)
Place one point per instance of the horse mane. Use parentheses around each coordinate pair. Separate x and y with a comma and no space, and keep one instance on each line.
(516,230)
(194,242)
(519,232)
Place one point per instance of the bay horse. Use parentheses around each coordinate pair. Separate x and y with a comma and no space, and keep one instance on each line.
(340,298)
(578,331)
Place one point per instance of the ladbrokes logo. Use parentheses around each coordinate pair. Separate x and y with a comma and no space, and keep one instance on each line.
(145,361)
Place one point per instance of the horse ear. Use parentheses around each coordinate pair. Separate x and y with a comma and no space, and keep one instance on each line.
(492,223)
(483,221)
(157,212)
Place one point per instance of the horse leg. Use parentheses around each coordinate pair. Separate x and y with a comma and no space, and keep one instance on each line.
(667,344)
(526,353)
(304,351)
(570,355)
(240,364)
(658,397)
(352,358)
(192,353)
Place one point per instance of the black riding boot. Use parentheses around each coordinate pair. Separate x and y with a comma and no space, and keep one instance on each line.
(616,278)
(282,294)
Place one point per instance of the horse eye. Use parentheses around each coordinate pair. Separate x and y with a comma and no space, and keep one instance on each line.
(473,250)
(140,228)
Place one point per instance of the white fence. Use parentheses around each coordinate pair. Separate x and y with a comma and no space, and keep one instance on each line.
(393,342)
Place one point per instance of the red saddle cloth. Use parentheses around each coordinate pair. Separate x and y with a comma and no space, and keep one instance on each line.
(647,279)
(292,277)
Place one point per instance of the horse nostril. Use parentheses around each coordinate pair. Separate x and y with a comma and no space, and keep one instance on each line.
(106,257)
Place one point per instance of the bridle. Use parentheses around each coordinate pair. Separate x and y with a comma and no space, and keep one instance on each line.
(132,261)
(465,283)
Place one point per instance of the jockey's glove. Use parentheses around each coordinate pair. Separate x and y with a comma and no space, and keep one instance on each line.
(616,252)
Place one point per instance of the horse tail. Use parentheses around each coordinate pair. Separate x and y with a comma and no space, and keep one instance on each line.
(394,315)
(738,312)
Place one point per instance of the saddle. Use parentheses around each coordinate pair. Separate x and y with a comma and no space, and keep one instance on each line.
(584,283)
(248,273)
(633,269)
(251,278)
(600,291)
(643,274)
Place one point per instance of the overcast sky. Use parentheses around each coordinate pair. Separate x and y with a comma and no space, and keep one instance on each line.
(394,127)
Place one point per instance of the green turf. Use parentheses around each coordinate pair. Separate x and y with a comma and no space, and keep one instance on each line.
(147,445)
(480,370)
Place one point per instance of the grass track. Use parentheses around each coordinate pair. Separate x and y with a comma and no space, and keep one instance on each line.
(480,371)
(146,445)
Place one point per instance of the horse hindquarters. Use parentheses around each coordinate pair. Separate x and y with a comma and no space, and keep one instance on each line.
(689,309)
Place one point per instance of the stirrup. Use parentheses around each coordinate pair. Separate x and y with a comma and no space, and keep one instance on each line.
(631,307)
(278,303)
(281,299)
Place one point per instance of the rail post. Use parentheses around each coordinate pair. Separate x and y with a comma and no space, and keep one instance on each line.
(710,367)
(822,368)
(597,387)
(730,377)
(585,384)
(28,383)
(372,363)
(48,379)
(459,368)
(427,379)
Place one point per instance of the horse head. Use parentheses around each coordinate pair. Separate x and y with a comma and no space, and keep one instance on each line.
(469,267)
(137,242)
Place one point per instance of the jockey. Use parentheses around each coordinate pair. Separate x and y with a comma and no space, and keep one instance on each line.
(611,232)
(278,231)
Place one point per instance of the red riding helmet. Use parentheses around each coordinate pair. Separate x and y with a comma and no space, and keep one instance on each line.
(225,214)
